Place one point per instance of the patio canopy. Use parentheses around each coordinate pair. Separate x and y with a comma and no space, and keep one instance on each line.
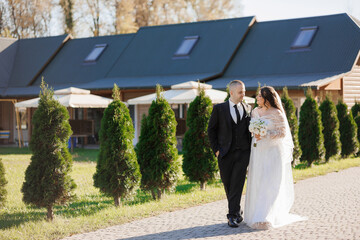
(71,97)
(186,93)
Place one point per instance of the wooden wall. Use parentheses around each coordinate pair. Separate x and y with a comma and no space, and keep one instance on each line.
(351,87)
(7,120)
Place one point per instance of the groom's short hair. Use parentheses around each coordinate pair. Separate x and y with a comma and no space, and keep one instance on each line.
(234,83)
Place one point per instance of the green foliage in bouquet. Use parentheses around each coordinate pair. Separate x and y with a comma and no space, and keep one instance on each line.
(199,162)
(117,170)
(311,138)
(348,130)
(290,111)
(47,178)
(156,150)
(3,183)
(331,131)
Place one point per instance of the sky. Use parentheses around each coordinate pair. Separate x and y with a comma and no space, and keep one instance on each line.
(266,10)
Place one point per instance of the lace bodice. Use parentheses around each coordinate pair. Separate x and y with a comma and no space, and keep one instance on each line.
(276,123)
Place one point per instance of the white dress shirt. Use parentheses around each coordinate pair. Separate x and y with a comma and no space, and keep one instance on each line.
(232,110)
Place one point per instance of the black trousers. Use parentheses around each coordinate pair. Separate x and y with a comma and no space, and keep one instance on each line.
(233,167)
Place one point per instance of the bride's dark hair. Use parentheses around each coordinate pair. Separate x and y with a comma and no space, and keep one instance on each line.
(269,95)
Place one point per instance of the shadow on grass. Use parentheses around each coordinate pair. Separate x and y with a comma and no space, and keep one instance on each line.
(79,154)
(9,220)
(14,150)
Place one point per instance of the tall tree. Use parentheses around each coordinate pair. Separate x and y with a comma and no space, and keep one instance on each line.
(156,150)
(47,178)
(331,131)
(290,110)
(212,9)
(29,18)
(3,183)
(348,130)
(117,170)
(67,8)
(199,162)
(124,20)
(311,138)
(133,14)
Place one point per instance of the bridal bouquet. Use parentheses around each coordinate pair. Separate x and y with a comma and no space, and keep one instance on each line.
(258,126)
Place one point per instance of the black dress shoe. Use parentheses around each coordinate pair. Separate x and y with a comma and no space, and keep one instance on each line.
(239,219)
(232,222)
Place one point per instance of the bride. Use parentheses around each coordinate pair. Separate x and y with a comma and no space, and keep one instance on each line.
(270,190)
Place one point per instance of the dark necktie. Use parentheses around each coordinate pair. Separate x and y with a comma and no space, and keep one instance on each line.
(237,114)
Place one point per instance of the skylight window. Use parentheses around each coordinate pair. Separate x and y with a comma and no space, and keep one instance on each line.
(186,46)
(95,53)
(304,37)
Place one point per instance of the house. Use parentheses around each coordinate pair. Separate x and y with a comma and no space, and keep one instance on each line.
(317,52)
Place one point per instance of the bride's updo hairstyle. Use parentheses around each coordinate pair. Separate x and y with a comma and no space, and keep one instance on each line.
(269,95)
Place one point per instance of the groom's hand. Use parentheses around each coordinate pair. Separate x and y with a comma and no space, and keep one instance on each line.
(217,153)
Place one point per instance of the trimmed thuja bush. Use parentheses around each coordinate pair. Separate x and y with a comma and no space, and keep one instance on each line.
(357,121)
(47,178)
(311,138)
(199,162)
(117,170)
(348,130)
(156,150)
(3,183)
(290,110)
(331,132)
(355,109)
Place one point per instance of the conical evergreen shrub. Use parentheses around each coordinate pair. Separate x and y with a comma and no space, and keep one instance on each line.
(117,170)
(311,138)
(348,130)
(47,178)
(199,163)
(156,150)
(290,111)
(357,121)
(355,109)
(3,183)
(331,131)
(228,94)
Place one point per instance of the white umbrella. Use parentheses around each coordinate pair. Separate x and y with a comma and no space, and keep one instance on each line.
(186,93)
(71,97)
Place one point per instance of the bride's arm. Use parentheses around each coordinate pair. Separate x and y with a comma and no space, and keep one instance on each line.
(279,122)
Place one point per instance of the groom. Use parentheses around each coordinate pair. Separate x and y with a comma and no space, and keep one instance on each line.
(230,138)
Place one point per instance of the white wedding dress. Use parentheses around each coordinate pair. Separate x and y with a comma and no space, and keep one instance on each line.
(270,190)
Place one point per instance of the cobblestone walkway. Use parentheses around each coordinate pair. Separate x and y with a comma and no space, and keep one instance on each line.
(331,202)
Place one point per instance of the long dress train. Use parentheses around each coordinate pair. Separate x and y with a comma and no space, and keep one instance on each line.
(270,190)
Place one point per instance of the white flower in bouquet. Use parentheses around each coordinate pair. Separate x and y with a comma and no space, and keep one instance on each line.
(258,126)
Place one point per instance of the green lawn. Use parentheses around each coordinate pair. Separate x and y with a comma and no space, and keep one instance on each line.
(91,210)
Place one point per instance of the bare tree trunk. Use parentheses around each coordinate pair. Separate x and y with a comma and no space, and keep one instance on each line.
(50,213)
(159,193)
(117,201)
(153,194)
(203,185)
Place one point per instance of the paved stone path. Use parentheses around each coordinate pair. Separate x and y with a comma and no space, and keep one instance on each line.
(331,202)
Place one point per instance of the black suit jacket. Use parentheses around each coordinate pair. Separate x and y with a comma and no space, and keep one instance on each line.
(219,128)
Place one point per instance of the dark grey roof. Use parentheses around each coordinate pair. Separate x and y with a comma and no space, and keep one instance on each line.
(292,81)
(265,55)
(143,82)
(68,66)
(8,48)
(151,51)
(31,56)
